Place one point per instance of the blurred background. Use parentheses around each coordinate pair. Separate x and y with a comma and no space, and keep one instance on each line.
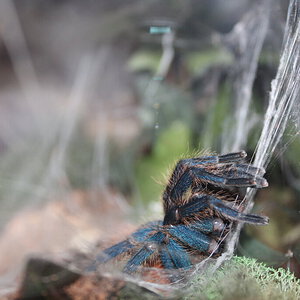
(99,99)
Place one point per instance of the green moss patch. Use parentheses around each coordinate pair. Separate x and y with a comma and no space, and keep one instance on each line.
(245,278)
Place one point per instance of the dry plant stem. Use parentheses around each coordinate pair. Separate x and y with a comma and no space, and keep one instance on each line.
(56,167)
(164,65)
(14,40)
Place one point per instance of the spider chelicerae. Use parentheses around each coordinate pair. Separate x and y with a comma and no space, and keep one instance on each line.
(201,201)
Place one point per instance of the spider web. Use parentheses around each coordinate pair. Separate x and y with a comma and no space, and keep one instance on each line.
(283,107)
(283,102)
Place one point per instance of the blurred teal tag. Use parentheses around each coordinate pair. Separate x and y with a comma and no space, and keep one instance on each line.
(157,78)
(159,30)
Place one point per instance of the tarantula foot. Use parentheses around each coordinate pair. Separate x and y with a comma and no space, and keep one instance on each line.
(259,182)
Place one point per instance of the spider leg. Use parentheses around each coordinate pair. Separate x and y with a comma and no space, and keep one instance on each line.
(176,213)
(138,259)
(225,158)
(230,157)
(174,256)
(223,170)
(192,238)
(232,214)
(237,170)
(209,225)
(149,247)
(114,251)
(201,202)
(236,178)
(190,209)
(122,247)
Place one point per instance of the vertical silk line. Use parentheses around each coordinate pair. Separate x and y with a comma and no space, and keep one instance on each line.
(245,42)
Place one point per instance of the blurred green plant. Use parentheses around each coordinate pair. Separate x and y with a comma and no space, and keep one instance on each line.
(144,60)
(170,145)
(197,61)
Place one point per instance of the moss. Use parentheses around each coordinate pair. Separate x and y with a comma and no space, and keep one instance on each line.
(245,278)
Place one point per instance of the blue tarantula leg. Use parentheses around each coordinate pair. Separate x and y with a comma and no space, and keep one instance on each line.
(235,215)
(149,247)
(230,157)
(139,236)
(114,251)
(205,160)
(220,170)
(190,209)
(200,202)
(175,214)
(174,256)
(239,171)
(138,259)
(225,158)
(231,178)
(181,186)
(193,238)
(246,181)
(121,248)
(110,253)
(209,225)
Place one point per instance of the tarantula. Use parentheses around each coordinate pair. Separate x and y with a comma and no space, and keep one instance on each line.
(200,204)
